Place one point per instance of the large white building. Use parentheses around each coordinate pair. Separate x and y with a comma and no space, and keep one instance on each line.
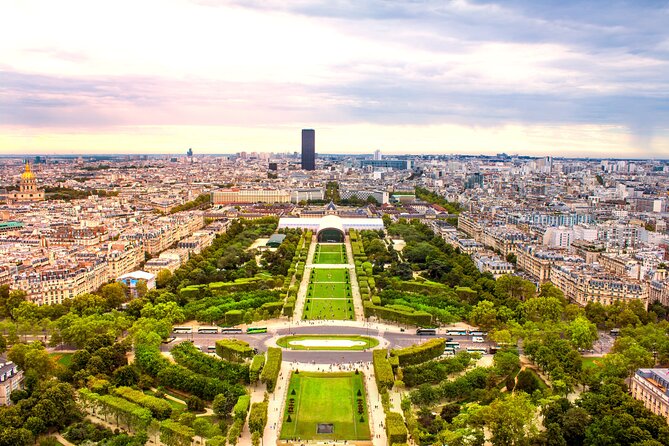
(331,227)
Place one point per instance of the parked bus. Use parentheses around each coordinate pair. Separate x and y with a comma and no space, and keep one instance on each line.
(478,333)
(207,330)
(456,332)
(477,350)
(253,330)
(211,349)
(453,345)
(615,332)
(426,332)
(231,331)
(182,329)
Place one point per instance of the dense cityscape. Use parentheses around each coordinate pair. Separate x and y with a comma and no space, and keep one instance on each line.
(334,223)
(290,298)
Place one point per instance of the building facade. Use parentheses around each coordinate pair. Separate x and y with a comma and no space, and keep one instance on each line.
(308,149)
(28,190)
(650,386)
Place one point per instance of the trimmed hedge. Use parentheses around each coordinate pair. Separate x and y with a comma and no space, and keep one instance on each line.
(180,378)
(241,408)
(233,350)
(273,308)
(235,431)
(172,432)
(159,408)
(258,417)
(418,318)
(383,372)
(395,428)
(420,352)
(191,357)
(234,317)
(270,372)
(256,367)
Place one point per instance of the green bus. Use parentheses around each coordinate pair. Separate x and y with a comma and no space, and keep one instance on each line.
(254,330)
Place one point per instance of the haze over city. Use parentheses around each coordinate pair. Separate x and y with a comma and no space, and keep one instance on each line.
(526,77)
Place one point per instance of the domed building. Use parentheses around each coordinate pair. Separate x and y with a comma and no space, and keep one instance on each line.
(28,190)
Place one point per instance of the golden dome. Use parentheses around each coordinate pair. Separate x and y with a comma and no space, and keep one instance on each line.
(27,175)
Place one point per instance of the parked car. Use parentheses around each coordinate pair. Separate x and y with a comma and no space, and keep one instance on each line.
(477,339)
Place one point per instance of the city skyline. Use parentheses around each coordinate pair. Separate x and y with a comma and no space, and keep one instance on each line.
(407,77)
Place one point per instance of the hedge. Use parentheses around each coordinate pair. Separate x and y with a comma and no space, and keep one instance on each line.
(395,428)
(241,407)
(383,372)
(235,431)
(258,417)
(256,367)
(233,317)
(418,318)
(270,372)
(172,432)
(273,308)
(289,307)
(191,357)
(418,353)
(192,291)
(233,350)
(159,408)
(180,378)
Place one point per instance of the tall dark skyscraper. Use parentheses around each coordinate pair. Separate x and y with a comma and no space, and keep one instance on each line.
(308,149)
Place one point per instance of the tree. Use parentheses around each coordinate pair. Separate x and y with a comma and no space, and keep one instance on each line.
(542,309)
(506,361)
(163,278)
(114,294)
(195,404)
(583,333)
(32,358)
(484,315)
(12,301)
(510,420)
(510,287)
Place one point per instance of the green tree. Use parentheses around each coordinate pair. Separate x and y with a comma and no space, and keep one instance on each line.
(510,420)
(484,315)
(583,333)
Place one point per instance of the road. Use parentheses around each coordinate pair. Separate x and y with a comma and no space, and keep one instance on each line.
(395,339)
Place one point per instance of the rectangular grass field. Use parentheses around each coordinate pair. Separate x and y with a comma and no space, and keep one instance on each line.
(329,309)
(325,398)
(329,291)
(329,275)
(330,254)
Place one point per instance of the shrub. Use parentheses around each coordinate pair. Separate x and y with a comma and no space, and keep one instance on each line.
(233,317)
(270,372)
(382,370)
(159,408)
(395,428)
(233,350)
(258,417)
(256,367)
(241,408)
(418,353)
(195,404)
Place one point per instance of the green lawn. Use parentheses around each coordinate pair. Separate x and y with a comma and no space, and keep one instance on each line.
(175,404)
(329,291)
(331,398)
(591,363)
(333,309)
(64,359)
(285,342)
(331,254)
(329,275)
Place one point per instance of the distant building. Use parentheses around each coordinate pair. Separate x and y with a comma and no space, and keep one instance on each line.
(308,149)
(651,387)
(11,379)
(388,164)
(28,190)
(132,279)
(275,240)
(273,166)
(377,155)
(236,195)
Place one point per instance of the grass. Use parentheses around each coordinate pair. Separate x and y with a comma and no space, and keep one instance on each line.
(64,359)
(329,291)
(285,342)
(332,254)
(329,275)
(332,309)
(591,363)
(332,398)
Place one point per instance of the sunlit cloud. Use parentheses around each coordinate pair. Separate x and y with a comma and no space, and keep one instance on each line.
(475,76)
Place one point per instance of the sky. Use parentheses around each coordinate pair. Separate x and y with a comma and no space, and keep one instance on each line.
(531,77)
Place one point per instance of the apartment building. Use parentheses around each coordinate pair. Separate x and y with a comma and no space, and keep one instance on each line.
(651,387)
(587,283)
(237,195)
(11,379)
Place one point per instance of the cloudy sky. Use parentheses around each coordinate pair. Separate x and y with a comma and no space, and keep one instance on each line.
(581,78)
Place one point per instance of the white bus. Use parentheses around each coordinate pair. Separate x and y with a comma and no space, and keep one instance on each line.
(182,329)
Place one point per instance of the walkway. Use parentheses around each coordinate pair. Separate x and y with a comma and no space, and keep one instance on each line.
(304,284)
